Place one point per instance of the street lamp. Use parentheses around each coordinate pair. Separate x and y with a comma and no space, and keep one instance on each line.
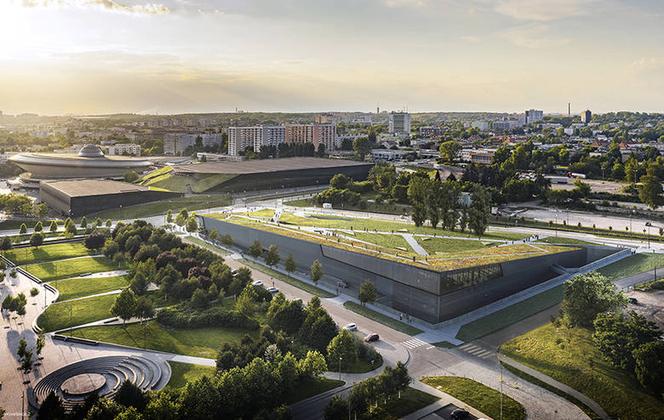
(648,225)
(340,358)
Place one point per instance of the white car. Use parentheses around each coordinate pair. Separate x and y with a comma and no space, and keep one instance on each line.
(273,290)
(257,283)
(351,327)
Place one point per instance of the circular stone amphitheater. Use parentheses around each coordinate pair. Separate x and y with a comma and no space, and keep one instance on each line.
(101,375)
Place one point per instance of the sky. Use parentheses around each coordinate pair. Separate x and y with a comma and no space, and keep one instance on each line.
(179,56)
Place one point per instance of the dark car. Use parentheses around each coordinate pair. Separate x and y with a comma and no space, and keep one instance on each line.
(459,414)
(633,300)
(371,338)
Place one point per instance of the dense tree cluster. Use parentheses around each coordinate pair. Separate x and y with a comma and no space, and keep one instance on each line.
(20,204)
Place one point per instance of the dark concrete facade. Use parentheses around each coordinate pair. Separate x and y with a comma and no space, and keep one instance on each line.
(433,296)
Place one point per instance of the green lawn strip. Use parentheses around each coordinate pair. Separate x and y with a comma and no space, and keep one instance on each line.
(411,400)
(651,285)
(570,356)
(363,366)
(388,241)
(305,202)
(448,245)
(57,316)
(383,319)
(265,213)
(308,388)
(201,243)
(56,270)
(198,342)
(510,315)
(309,288)
(85,286)
(181,373)
(478,396)
(21,256)
(565,241)
(523,375)
(193,202)
(635,264)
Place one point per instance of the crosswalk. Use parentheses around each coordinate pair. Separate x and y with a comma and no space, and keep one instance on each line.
(475,350)
(414,343)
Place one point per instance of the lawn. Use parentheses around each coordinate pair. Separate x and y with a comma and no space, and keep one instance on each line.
(569,356)
(385,240)
(56,270)
(82,311)
(510,315)
(310,288)
(310,387)
(194,202)
(180,183)
(21,256)
(383,319)
(181,373)
(565,241)
(361,366)
(637,263)
(199,342)
(478,396)
(201,243)
(411,400)
(447,245)
(86,286)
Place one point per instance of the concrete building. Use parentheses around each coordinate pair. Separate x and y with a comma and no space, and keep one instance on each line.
(176,144)
(240,138)
(533,115)
(586,116)
(428,132)
(481,156)
(481,125)
(399,123)
(85,196)
(131,149)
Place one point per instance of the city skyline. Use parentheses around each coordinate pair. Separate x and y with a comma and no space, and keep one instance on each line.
(189,56)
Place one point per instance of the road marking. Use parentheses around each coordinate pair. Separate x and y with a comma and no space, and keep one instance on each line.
(414,343)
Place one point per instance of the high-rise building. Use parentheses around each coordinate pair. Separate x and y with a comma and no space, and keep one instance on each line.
(586,116)
(313,133)
(240,138)
(399,123)
(534,115)
(176,144)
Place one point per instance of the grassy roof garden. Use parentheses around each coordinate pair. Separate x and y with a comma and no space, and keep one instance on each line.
(448,250)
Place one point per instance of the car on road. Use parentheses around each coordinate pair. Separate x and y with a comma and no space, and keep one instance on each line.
(257,283)
(351,327)
(342,284)
(370,338)
(273,290)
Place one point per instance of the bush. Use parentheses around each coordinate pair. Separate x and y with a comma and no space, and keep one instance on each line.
(213,317)
(34,292)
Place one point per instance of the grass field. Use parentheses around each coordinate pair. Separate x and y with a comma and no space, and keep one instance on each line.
(181,373)
(362,366)
(57,316)
(21,256)
(179,183)
(570,356)
(388,241)
(194,202)
(411,400)
(637,263)
(565,241)
(199,342)
(56,270)
(309,388)
(478,396)
(203,244)
(447,245)
(86,286)
(510,315)
(383,319)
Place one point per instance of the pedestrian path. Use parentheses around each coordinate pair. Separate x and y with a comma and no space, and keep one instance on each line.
(414,244)
(475,350)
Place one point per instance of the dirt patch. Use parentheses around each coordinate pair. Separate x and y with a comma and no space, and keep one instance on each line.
(650,305)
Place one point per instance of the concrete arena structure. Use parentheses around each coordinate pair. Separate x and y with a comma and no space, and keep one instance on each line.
(433,296)
(90,162)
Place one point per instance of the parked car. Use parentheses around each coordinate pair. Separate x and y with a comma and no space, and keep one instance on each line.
(273,290)
(371,338)
(257,283)
(632,300)
(459,414)
(342,284)
(351,327)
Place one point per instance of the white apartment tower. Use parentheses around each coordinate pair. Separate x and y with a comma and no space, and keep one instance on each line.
(239,138)
(534,115)
(399,123)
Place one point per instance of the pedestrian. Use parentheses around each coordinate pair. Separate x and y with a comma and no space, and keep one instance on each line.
(400,317)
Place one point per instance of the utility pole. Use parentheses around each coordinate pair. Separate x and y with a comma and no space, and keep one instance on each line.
(501,391)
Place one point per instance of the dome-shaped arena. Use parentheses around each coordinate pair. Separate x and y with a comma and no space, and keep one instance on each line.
(90,162)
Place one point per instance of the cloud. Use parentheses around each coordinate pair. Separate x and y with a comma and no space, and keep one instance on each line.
(542,10)
(406,3)
(110,5)
(535,35)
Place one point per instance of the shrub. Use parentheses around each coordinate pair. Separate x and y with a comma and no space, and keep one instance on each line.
(213,317)
(34,292)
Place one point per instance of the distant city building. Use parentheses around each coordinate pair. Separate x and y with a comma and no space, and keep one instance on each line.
(399,123)
(428,132)
(586,116)
(481,125)
(481,156)
(534,115)
(326,118)
(124,149)
(176,144)
(505,125)
(240,138)
(389,154)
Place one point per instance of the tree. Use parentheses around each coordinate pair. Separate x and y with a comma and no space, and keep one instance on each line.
(587,295)
(650,191)
(51,408)
(479,210)
(181,218)
(289,264)
(214,235)
(6,243)
(449,150)
(39,227)
(340,181)
(246,302)
(54,226)
(23,229)
(41,210)
(26,362)
(108,223)
(199,300)
(130,395)
(337,409)
(39,345)
(192,224)
(95,241)
(342,350)
(312,365)
(124,306)
(316,271)
(287,371)
(84,223)
(169,216)
(617,336)
(361,146)
(649,370)
(98,222)
(144,308)
(272,256)
(139,284)
(256,249)
(71,229)
(368,292)
(36,239)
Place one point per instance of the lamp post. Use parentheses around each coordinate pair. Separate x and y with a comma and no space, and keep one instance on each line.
(340,358)
(648,225)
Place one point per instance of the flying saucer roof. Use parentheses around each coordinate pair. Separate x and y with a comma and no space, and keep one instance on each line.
(90,151)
